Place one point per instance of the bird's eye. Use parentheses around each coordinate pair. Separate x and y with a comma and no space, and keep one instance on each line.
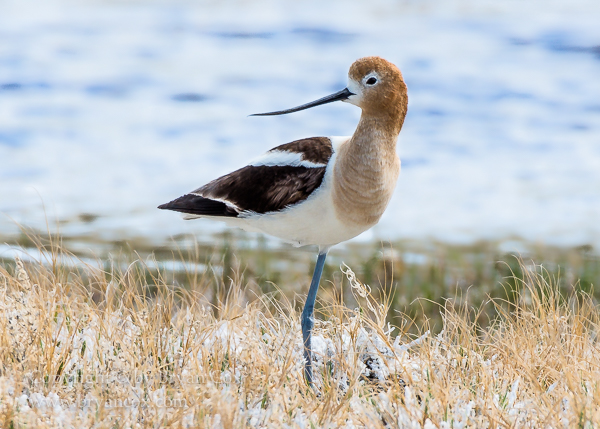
(371,81)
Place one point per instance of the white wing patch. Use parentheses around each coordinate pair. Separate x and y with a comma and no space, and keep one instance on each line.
(280,158)
(337,141)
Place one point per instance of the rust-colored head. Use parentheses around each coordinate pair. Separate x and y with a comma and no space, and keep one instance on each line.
(378,87)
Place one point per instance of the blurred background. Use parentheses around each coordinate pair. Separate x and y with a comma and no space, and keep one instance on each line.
(110,108)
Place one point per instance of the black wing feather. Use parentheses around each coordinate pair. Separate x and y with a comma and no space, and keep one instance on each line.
(264,189)
(261,188)
(314,149)
(195,204)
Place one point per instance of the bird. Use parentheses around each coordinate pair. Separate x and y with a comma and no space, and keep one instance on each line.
(317,191)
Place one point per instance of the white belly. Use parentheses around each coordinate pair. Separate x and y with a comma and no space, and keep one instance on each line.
(312,222)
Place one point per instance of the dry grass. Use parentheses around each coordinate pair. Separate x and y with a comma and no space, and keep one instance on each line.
(83,346)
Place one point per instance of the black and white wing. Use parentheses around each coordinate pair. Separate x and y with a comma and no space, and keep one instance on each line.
(284,176)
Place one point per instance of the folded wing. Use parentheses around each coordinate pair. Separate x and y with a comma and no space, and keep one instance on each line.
(284,176)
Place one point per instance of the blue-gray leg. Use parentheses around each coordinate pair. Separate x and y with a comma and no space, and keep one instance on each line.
(308,321)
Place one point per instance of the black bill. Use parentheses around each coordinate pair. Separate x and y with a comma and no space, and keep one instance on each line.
(344,94)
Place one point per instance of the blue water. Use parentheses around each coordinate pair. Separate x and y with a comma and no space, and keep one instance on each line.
(111,109)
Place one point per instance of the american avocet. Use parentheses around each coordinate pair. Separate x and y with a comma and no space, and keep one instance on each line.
(320,190)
